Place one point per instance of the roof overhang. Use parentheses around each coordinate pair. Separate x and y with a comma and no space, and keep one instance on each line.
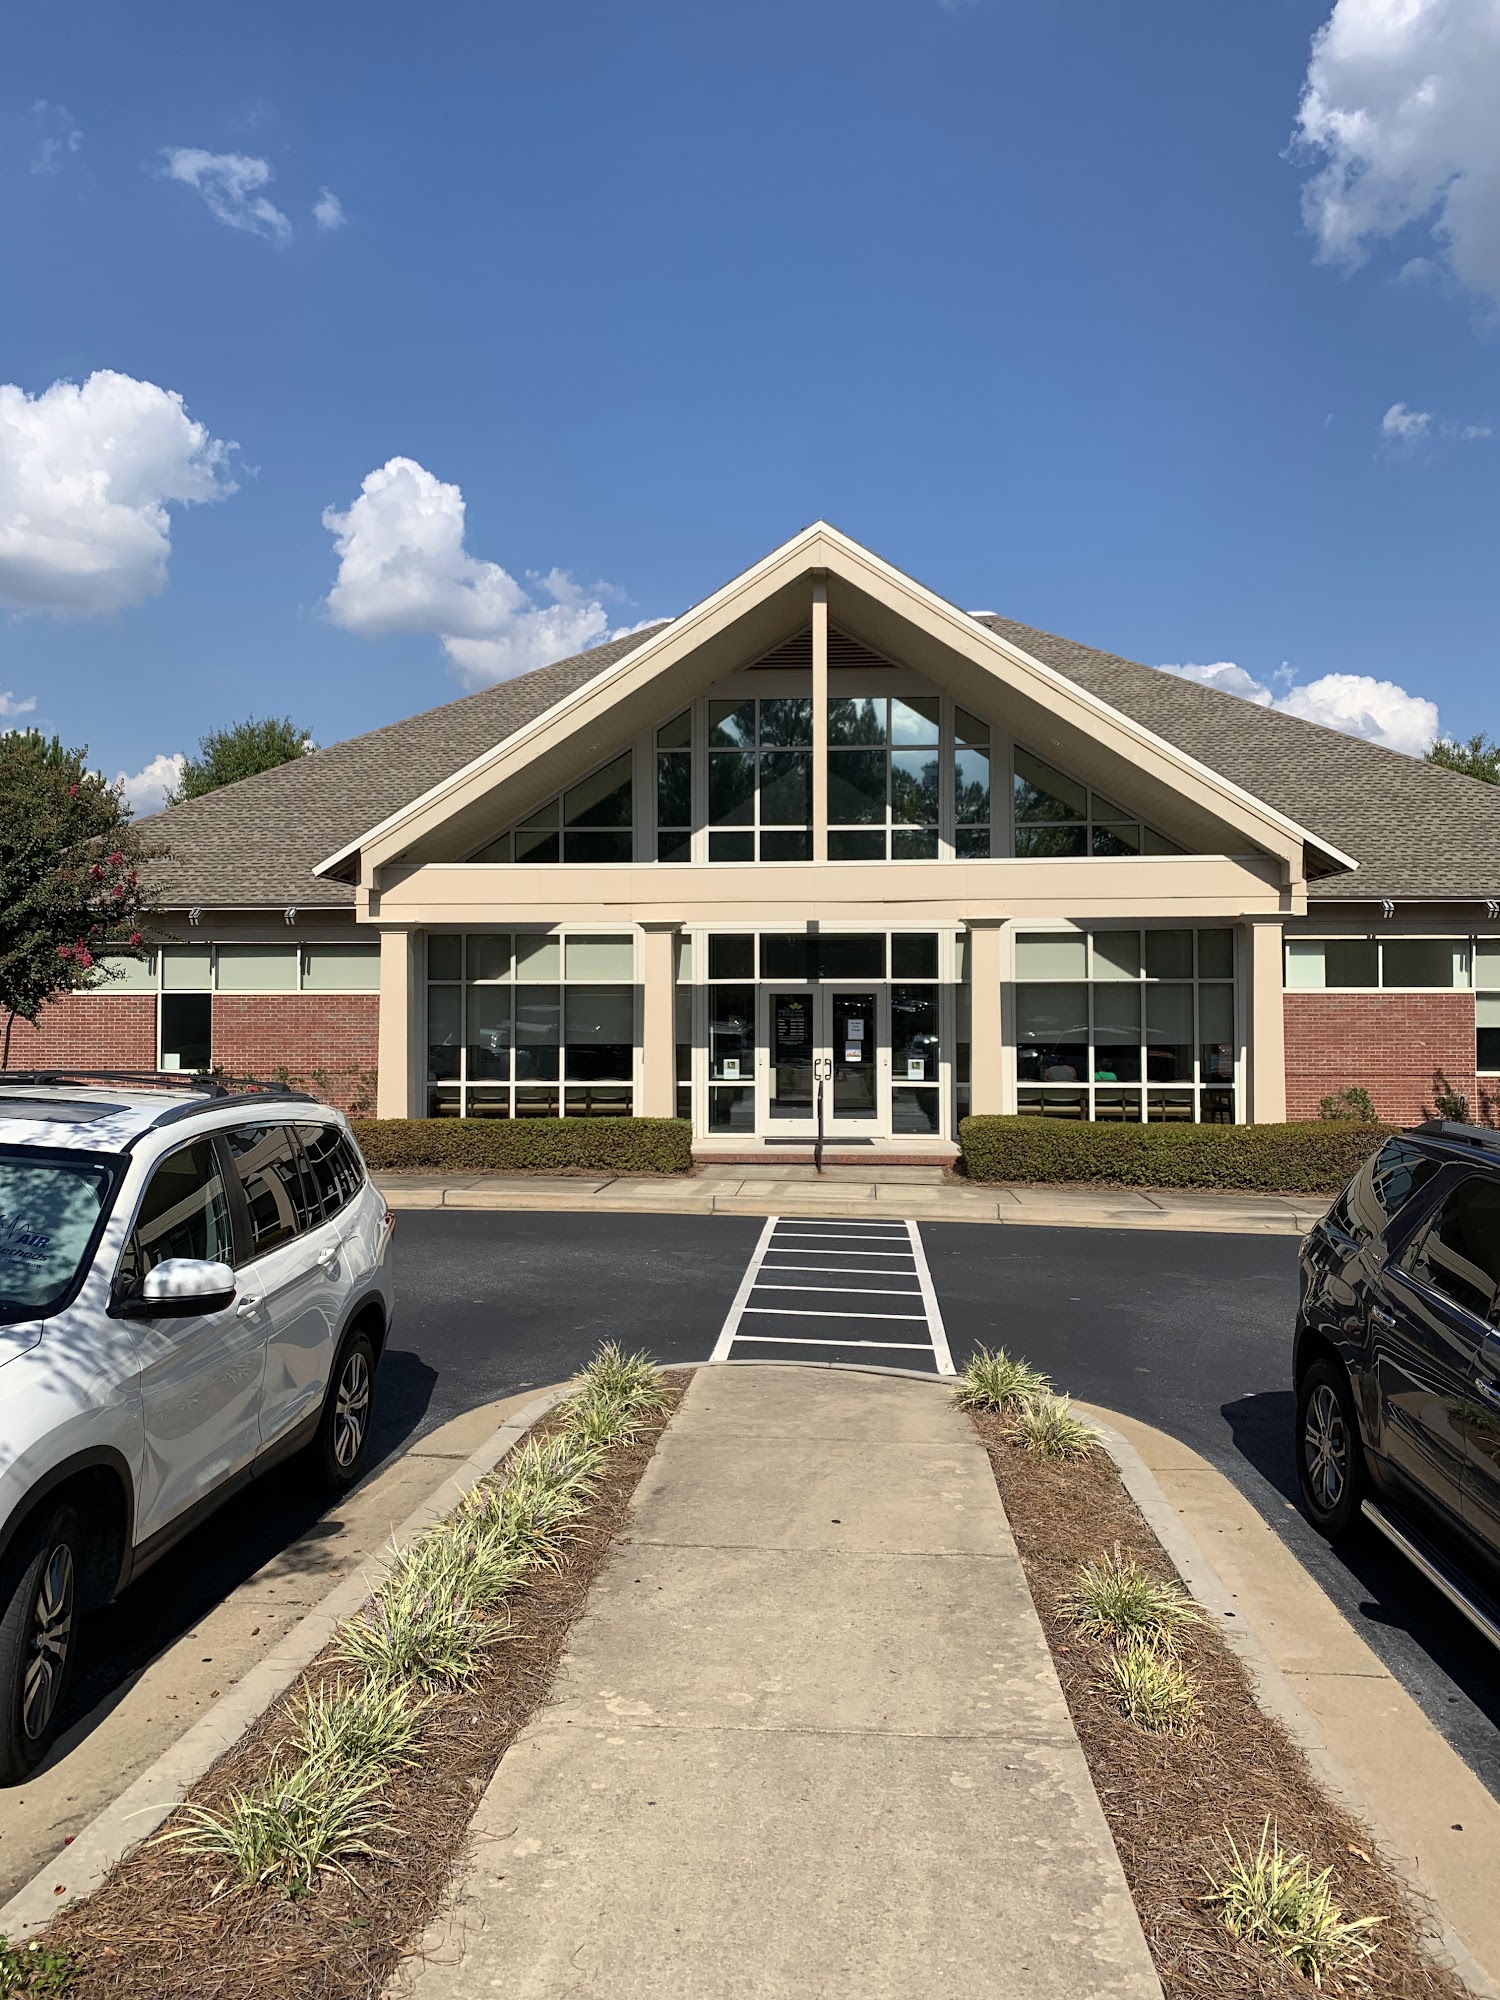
(896,615)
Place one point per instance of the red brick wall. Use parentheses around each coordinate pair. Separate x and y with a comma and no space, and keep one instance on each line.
(91,1030)
(1401,1047)
(254,1034)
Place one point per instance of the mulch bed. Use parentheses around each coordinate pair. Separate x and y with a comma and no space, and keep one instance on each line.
(1170,1799)
(156,1929)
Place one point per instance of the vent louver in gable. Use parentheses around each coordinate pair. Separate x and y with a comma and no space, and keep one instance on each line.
(795,654)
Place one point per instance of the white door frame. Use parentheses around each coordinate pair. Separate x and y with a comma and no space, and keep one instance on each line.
(820,999)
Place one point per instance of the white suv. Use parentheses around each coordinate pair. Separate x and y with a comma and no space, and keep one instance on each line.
(193,1286)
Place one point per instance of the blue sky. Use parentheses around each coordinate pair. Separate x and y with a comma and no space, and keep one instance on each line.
(1042,303)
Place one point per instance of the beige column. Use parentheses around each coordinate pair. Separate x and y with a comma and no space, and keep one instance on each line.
(399,1090)
(659,1021)
(987,1040)
(1265,1026)
(820,715)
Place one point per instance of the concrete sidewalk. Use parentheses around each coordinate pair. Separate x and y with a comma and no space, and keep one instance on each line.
(862,1191)
(807,1739)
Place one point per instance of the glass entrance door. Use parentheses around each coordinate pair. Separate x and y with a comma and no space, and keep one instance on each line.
(792,1039)
(853,1024)
(840,1029)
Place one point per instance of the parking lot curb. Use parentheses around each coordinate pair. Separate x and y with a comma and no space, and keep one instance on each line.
(964,1207)
(147,1802)
(1278,1698)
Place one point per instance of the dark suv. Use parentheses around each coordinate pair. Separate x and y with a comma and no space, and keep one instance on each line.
(1397,1360)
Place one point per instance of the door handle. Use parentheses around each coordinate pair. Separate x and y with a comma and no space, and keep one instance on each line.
(1488,1389)
(330,1256)
(246,1304)
(1381,1317)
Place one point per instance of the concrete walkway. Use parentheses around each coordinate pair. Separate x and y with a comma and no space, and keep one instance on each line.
(807,1739)
(926,1193)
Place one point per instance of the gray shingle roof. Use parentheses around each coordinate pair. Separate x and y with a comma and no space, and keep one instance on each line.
(1418,831)
(256,843)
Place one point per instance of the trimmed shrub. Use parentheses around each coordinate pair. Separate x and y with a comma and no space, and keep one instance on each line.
(527,1145)
(1315,1158)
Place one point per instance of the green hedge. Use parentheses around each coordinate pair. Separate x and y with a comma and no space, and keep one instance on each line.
(1315,1158)
(537,1145)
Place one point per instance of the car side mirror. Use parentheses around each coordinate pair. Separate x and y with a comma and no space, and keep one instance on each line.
(179,1288)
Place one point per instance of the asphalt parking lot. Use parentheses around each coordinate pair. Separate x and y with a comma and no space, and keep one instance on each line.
(1187,1332)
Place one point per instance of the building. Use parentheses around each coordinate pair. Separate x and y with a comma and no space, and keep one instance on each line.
(826,826)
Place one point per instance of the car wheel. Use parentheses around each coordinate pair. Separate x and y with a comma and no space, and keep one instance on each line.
(38,1638)
(344,1433)
(1330,1457)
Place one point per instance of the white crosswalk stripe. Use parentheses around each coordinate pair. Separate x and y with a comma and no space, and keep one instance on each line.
(800,1256)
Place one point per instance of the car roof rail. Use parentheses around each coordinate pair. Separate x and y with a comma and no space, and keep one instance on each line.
(1458,1134)
(202,1083)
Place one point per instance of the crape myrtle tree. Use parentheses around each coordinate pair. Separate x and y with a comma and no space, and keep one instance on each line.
(70,885)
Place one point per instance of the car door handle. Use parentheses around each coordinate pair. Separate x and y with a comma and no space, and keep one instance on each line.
(246,1304)
(1488,1389)
(1381,1317)
(329,1258)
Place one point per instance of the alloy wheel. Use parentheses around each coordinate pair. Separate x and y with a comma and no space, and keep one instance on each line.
(1325,1448)
(351,1410)
(51,1639)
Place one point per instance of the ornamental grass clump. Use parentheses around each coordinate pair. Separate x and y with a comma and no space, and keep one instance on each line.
(419,1628)
(1047,1427)
(1150,1687)
(999,1382)
(301,1820)
(1115,1599)
(1273,1899)
(364,1725)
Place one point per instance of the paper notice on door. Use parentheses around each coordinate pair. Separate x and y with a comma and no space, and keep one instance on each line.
(853,1052)
(731,1068)
(854,1031)
(916,1069)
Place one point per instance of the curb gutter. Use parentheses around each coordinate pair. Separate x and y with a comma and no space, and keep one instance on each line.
(145,1804)
(1278,1698)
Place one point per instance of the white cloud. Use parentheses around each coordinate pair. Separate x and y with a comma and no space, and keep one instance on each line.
(55,137)
(328,210)
(1399,105)
(145,791)
(230,184)
(1405,426)
(9,706)
(1360,705)
(1356,704)
(403,567)
(86,477)
(1227,678)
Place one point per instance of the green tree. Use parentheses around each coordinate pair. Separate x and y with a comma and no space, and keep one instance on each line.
(1478,758)
(226,755)
(70,885)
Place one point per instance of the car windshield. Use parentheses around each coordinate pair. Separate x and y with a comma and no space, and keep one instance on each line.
(52,1205)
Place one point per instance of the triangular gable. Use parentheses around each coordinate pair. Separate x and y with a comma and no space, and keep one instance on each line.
(869,601)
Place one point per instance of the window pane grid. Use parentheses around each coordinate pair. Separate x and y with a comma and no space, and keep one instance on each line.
(759,779)
(530,1025)
(1126,1026)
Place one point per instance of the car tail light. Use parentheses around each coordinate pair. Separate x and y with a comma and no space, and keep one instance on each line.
(390,1220)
